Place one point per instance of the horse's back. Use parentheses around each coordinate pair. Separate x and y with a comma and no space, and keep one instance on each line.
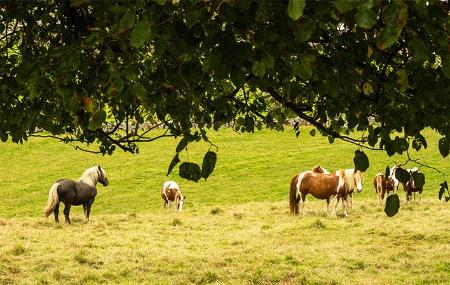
(321,186)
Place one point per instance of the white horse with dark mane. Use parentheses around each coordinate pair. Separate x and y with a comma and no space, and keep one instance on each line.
(80,192)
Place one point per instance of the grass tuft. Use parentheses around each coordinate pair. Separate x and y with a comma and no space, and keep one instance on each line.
(216,211)
(208,277)
(176,222)
(318,224)
(18,249)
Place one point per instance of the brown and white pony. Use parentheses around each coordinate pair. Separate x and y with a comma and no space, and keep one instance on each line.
(319,185)
(353,180)
(383,186)
(170,192)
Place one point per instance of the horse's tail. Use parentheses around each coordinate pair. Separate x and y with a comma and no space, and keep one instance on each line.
(52,200)
(293,200)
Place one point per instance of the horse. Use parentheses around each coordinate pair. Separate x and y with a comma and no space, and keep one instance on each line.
(353,180)
(319,185)
(80,192)
(170,192)
(383,186)
(411,188)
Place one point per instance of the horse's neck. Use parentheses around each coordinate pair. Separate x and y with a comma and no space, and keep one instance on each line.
(89,180)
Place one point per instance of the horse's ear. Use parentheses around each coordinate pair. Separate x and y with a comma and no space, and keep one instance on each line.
(99,168)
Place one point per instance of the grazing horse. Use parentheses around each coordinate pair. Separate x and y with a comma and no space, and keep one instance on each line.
(170,192)
(383,186)
(320,185)
(81,192)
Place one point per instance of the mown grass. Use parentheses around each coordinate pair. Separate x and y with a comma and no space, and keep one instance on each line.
(251,243)
(235,229)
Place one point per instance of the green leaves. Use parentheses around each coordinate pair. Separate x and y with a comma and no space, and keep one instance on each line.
(209,163)
(392,205)
(97,120)
(444,146)
(419,179)
(303,69)
(361,161)
(365,18)
(141,34)
(190,171)
(295,9)
(402,175)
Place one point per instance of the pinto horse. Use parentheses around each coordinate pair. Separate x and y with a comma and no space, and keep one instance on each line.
(353,180)
(81,192)
(324,185)
(383,186)
(170,192)
(319,185)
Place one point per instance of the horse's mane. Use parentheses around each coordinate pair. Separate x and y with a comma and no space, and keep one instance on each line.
(90,176)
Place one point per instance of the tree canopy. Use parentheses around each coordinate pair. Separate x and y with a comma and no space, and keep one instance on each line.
(111,71)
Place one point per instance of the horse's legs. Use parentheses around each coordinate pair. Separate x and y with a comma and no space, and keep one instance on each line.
(344,204)
(88,209)
(56,212)
(328,206)
(66,212)
(300,204)
(336,201)
(349,199)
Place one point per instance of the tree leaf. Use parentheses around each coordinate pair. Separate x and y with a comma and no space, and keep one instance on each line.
(387,37)
(97,120)
(446,65)
(160,2)
(312,132)
(387,172)
(304,31)
(343,5)
(444,186)
(141,34)
(258,69)
(402,175)
(173,163)
(190,171)
(295,9)
(365,18)
(444,147)
(392,205)
(419,179)
(418,49)
(183,143)
(361,161)
(127,20)
(209,163)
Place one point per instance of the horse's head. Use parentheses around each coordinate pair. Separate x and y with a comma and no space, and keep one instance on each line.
(358,176)
(180,202)
(102,176)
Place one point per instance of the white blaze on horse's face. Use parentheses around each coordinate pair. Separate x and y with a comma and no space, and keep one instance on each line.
(358,179)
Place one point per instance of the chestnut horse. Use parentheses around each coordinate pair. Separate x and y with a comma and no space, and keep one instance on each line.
(170,192)
(383,186)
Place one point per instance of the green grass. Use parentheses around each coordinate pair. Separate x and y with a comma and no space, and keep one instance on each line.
(250,167)
(235,228)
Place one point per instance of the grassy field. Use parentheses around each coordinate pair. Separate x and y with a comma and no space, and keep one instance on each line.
(235,229)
